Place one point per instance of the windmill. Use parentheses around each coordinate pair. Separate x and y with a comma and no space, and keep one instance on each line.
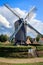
(20,26)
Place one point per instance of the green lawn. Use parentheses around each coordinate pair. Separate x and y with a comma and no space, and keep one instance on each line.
(40,63)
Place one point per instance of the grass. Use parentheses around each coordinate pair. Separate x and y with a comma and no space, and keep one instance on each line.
(40,63)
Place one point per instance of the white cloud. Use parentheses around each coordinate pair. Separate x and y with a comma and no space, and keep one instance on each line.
(19,12)
(38,25)
(4,21)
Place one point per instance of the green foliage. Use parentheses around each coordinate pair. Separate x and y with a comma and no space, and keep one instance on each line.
(15,48)
(38,37)
(3,38)
(14,51)
(42,36)
(39,48)
(18,51)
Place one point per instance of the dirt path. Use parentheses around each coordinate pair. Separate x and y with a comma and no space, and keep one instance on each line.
(32,60)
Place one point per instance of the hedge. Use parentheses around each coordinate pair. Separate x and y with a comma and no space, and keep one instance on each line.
(17,51)
(15,48)
(39,48)
(14,51)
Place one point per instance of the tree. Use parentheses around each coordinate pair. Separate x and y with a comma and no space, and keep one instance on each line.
(3,38)
(38,37)
(42,36)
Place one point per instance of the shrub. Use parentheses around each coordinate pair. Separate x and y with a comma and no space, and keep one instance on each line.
(39,48)
(14,51)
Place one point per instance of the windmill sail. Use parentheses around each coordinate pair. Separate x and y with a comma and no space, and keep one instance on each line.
(33,28)
(11,10)
(33,9)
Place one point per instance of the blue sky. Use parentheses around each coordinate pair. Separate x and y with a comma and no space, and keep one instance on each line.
(26,5)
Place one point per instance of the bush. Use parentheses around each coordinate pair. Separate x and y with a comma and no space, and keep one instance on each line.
(19,52)
(39,48)
(15,48)
(14,51)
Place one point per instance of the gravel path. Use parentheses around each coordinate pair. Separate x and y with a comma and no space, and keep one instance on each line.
(29,60)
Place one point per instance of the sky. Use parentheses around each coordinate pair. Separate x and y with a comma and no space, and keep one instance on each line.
(26,5)
(21,6)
